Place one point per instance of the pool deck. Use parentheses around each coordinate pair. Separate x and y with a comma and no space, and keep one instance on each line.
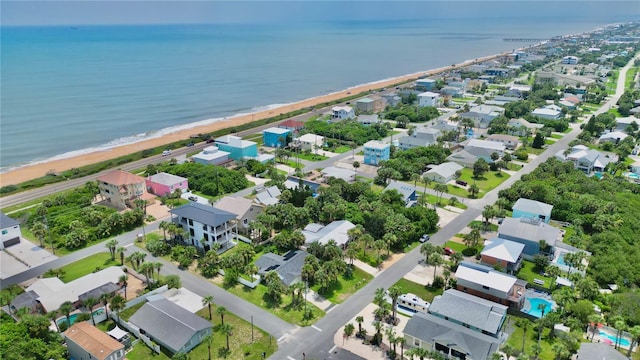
(612,332)
(530,293)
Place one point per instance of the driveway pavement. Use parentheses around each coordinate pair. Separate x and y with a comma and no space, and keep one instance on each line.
(21,257)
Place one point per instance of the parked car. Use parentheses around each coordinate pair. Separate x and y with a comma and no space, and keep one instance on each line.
(166,153)
(424,238)
(460,182)
(190,144)
(193,198)
(449,251)
(210,140)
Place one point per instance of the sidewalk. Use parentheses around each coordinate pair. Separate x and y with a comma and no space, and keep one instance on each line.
(318,300)
(366,267)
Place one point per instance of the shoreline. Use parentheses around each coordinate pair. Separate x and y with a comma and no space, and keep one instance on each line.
(32,171)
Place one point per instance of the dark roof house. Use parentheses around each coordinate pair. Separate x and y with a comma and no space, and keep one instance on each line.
(288,266)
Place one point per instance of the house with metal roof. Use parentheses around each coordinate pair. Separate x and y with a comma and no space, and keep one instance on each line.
(276,137)
(421,137)
(347,175)
(547,113)
(491,284)
(408,192)
(624,122)
(10,229)
(246,211)
(342,112)
(164,184)
(336,230)
(458,325)
(532,209)
(85,341)
(268,196)
(502,254)
(205,225)
(376,151)
(529,232)
(211,155)
(288,266)
(170,325)
(444,172)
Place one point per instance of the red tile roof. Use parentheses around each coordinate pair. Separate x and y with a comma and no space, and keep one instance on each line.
(293,124)
(119,177)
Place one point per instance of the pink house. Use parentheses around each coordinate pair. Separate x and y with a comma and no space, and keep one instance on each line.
(164,184)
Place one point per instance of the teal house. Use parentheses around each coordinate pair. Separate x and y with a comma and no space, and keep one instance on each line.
(525,208)
(276,137)
(237,148)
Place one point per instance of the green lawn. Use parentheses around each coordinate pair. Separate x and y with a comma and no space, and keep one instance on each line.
(292,164)
(486,183)
(128,313)
(432,199)
(549,141)
(531,338)
(456,246)
(284,310)
(527,273)
(311,157)
(88,265)
(532,150)
(556,136)
(240,342)
(341,149)
(257,138)
(425,292)
(343,288)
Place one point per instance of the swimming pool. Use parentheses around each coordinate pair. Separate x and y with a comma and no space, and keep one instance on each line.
(631,175)
(598,174)
(534,310)
(621,341)
(72,319)
(560,260)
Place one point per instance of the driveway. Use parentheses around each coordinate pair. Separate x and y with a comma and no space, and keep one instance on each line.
(22,256)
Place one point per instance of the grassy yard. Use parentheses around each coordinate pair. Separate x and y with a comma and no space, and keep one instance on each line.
(425,292)
(87,266)
(257,138)
(556,136)
(534,151)
(486,183)
(549,141)
(455,246)
(341,149)
(432,199)
(631,75)
(283,310)
(141,351)
(531,338)
(344,287)
(311,157)
(527,273)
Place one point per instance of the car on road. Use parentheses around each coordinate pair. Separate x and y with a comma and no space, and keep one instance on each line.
(449,251)
(193,198)
(166,153)
(424,238)
(190,144)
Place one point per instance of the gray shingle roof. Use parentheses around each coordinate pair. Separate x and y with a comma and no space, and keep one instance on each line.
(430,328)
(528,229)
(6,221)
(288,266)
(168,322)
(26,299)
(203,214)
(465,308)
(269,196)
(108,288)
(166,179)
(445,170)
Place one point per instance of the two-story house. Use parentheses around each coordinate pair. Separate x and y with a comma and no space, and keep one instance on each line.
(10,229)
(530,232)
(428,99)
(342,113)
(458,325)
(491,284)
(532,209)
(309,142)
(85,341)
(164,184)
(246,211)
(376,151)
(502,254)
(237,148)
(276,137)
(421,137)
(120,188)
(205,225)
(510,142)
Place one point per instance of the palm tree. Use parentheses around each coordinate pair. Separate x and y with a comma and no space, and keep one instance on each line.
(474,190)
(553,272)
(52,315)
(421,353)
(112,245)
(208,339)
(66,308)
(352,252)
(391,335)
(593,319)
(157,266)
(426,181)
(620,325)
(251,270)
(226,330)
(89,303)
(394,294)
(208,300)
(524,324)
(164,226)
(121,250)
(105,300)
(635,338)
(427,249)
(359,320)
(221,310)
(348,331)
(146,268)
(117,303)
(435,260)
(123,280)
(39,230)
(440,189)
(378,326)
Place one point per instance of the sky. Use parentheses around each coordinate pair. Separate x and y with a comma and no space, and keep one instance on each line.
(90,12)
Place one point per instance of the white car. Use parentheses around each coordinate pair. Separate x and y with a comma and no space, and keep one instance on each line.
(166,153)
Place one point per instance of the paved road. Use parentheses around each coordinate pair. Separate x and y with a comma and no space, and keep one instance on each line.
(320,348)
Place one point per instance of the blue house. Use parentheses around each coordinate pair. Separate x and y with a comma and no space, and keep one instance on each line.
(376,151)
(275,137)
(236,147)
(407,192)
(532,209)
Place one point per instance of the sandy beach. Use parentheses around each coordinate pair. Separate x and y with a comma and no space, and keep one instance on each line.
(33,171)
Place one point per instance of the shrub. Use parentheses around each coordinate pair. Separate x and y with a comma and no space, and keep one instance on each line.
(521,154)
(438,282)
(158,247)
(469,251)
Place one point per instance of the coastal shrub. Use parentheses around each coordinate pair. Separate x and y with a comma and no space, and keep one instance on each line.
(158,247)
(210,180)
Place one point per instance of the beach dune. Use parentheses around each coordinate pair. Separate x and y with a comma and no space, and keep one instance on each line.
(34,171)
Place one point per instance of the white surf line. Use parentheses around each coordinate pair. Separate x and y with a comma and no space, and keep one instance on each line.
(282,337)
(333,348)
(317,328)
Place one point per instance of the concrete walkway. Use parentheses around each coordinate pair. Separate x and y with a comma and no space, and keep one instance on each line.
(366,267)
(317,300)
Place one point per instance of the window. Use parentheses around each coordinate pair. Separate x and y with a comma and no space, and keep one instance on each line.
(485,287)
(190,222)
(245,221)
(5,231)
(416,342)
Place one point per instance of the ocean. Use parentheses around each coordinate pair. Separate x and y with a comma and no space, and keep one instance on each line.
(67,90)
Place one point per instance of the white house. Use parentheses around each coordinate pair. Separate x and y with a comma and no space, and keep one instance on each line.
(337,231)
(10,231)
(484,148)
(309,141)
(205,225)
(547,113)
(428,99)
(623,123)
(570,60)
(510,142)
(211,155)
(420,137)
(343,112)
(614,137)
(443,173)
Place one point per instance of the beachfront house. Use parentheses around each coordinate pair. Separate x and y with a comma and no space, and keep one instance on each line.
(120,188)
(292,125)
(369,105)
(237,148)
(532,209)
(85,341)
(491,284)
(10,229)
(425,84)
(428,99)
(211,155)
(336,231)
(170,325)
(309,142)
(205,225)
(392,99)
(342,113)
(246,211)
(421,137)
(406,191)
(458,325)
(288,266)
(530,232)
(165,184)
(443,173)
(376,151)
(502,254)
(276,137)
(368,120)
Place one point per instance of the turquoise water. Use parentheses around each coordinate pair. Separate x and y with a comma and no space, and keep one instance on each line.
(534,311)
(67,90)
(560,259)
(631,175)
(622,341)
(598,174)
(72,319)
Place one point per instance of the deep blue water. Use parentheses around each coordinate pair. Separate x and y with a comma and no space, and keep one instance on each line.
(66,90)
